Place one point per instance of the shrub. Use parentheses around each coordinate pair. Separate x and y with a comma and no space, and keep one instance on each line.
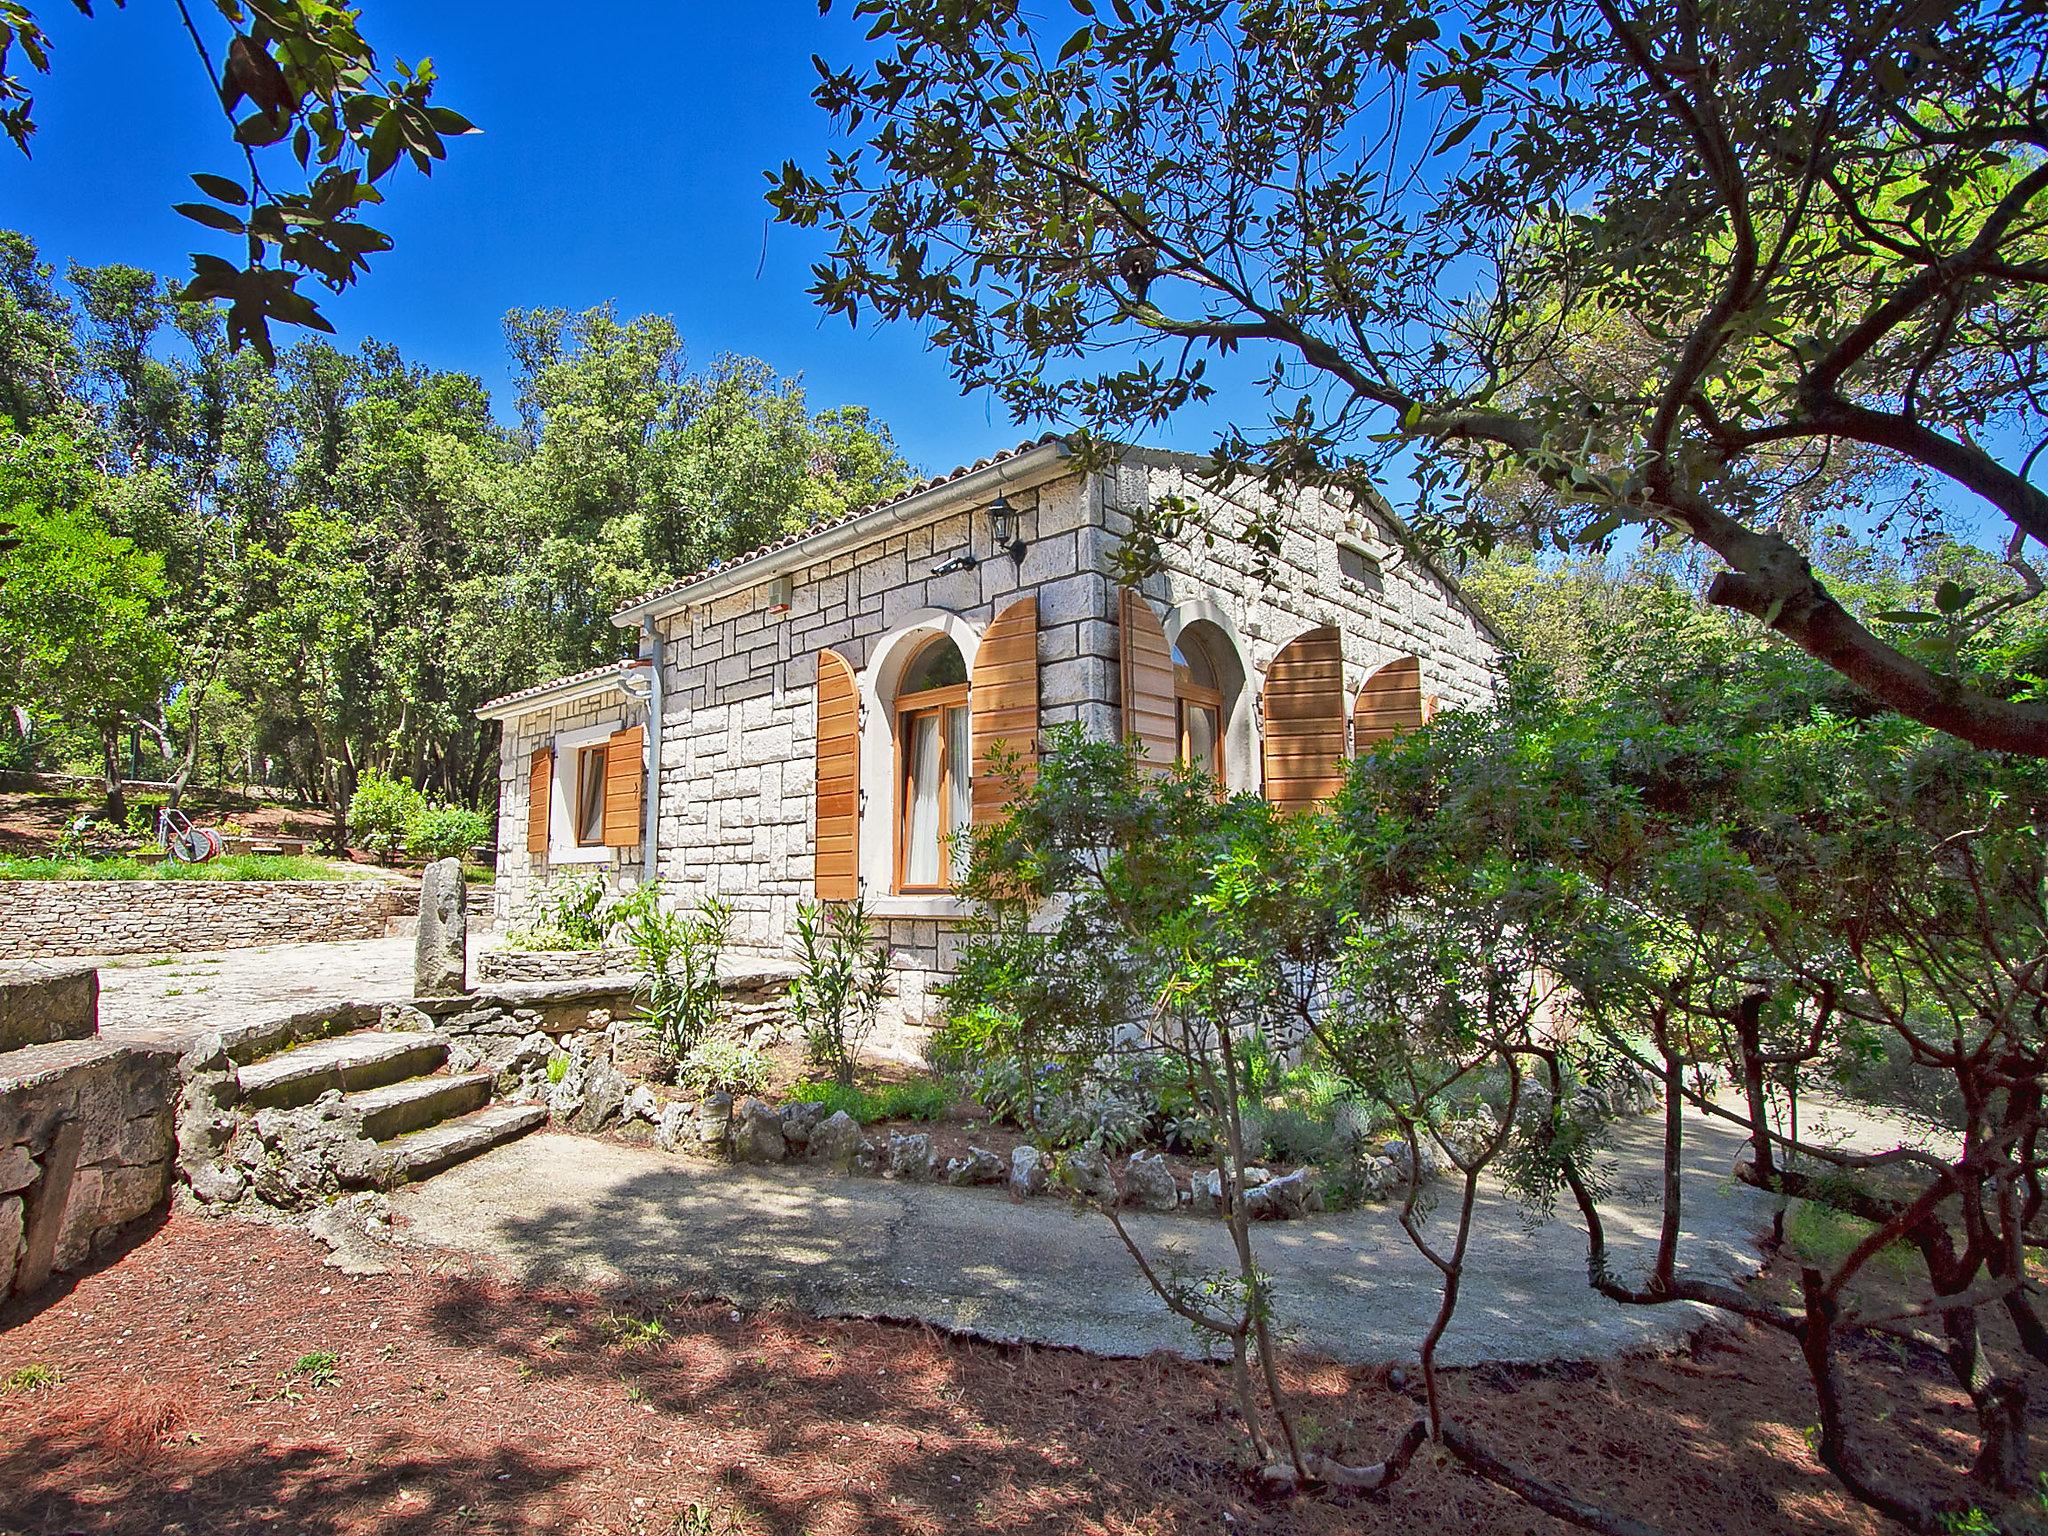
(678,956)
(564,916)
(379,813)
(842,978)
(445,832)
(721,1064)
(920,1099)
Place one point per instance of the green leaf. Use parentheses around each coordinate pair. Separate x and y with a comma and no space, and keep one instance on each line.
(211,217)
(1909,616)
(221,189)
(1952,597)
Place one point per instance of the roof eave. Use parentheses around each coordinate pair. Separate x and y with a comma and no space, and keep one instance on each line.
(1035,465)
(553,696)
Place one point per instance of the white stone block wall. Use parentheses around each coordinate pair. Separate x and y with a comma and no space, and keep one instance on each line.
(522,877)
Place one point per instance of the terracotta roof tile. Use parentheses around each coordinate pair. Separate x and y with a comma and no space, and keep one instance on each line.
(801,534)
(589,675)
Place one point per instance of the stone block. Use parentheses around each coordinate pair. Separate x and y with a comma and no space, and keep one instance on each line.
(40,1003)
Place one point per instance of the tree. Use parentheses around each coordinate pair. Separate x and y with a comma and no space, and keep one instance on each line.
(79,606)
(1828,227)
(299,86)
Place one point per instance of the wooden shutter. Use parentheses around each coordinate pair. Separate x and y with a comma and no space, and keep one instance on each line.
(1149,713)
(1390,704)
(1304,710)
(1002,696)
(835,831)
(540,791)
(625,778)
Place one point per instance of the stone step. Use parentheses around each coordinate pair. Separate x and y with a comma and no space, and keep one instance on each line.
(368,1059)
(418,1102)
(425,1153)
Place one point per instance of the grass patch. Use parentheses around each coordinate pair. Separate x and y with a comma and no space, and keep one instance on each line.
(631,1333)
(318,1368)
(1824,1236)
(32,1378)
(233,866)
(923,1099)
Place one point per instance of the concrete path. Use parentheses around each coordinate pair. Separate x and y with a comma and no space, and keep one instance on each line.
(172,999)
(565,1208)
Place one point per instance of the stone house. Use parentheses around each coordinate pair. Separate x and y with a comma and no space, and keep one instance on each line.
(813,719)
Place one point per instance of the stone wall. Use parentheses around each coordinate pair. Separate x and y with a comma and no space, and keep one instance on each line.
(42,918)
(42,1003)
(500,965)
(86,1142)
(523,878)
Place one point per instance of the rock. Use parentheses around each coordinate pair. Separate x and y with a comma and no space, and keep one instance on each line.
(305,1155)
(757,1134)
(440,967)
(1254,1175)
(17,1170)
(1379,1179)
(637,1053)
(1283,1199)
(218,1183)
(910,1157)
(1149,1183)
(641,1104)
(835,1141)
(979,1166)
(1027,1172)
(798,1121)
(1396,1152)
(1205,1191)
(12,1222)
(868,1157)
(604,1097)
(1085,1173)
(673,1128)
(713,1128)
(1466,1138)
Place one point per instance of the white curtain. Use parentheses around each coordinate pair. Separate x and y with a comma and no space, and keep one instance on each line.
(921,836)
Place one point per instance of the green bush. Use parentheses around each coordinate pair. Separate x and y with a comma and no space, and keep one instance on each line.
(678,957)
(566,915)
(380,812)
(445,832)
(842,977)
(721,1064)
(919,1099)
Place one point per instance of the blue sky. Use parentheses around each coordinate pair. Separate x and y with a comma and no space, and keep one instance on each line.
(622,159)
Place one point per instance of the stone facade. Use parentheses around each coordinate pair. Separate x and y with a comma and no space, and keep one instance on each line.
(43,918)
(499,965)
(86,1144)
(42,1003)
(737,665)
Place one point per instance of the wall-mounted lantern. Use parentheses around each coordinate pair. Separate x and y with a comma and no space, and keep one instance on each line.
(1006,527)
(781,593)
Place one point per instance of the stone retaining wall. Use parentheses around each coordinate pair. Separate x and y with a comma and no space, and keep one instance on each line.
(42,1003)
(42,918)
(495,965)
(86,1141)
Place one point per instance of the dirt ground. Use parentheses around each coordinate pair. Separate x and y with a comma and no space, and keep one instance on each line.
(30,821)
(193,1395)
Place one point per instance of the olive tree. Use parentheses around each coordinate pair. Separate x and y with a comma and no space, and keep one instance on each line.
(1812,231)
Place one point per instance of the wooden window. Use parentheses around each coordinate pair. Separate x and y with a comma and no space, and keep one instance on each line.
(1198,708)
(1390,704)
(1304,710)
(835,832)
(589,801)
(540,794)
(625,778)
(933,773)
(1005,710)
(1150,714)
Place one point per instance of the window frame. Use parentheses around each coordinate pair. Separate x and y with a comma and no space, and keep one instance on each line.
(939,702)
(1189,693)
(600,751)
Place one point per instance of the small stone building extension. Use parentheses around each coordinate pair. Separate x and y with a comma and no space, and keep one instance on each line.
(797,721)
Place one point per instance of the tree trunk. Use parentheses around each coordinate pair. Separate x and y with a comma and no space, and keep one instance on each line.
(116,798)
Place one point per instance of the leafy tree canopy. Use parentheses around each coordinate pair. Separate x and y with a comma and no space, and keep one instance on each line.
(1657,259)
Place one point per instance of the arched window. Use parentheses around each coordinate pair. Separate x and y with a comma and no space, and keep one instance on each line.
(933,755)
(1198,704)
